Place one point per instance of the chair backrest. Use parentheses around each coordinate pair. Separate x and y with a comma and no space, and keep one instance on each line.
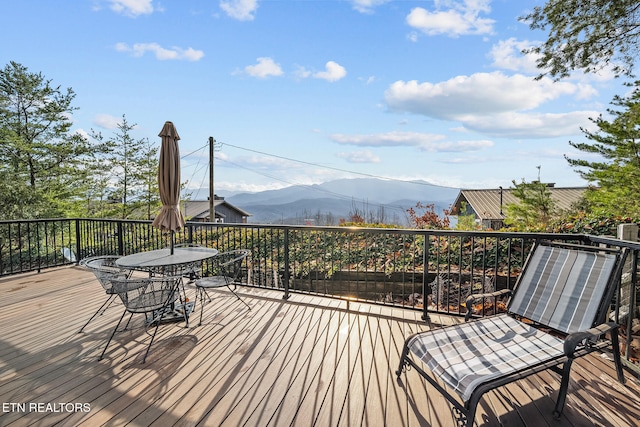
(144,295)
(229,264)
(566,289)
(105,269)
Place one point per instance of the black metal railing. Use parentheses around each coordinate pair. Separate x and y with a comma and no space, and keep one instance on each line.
(427,270)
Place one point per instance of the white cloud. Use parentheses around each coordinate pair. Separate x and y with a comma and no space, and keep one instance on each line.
(531,125)
(494,103)
(106,121)
(424,141)
(332,73)
(452,18)
(301,72)
(367,6)
(132,7)
(266,67)
(367,80)
(481,94)
(245,187)
(388,139)
(83,133)
(242,10)
(161,53)
(507,55)
(364,156)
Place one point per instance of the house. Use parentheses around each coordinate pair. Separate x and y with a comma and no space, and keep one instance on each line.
(489,206)
(198,210)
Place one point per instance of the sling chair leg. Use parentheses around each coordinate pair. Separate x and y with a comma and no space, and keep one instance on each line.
(470,409)
(564,387)
(615,343)
(403,358)
(112,334)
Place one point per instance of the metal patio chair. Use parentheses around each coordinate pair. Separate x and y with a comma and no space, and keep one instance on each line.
(226,271)
(105,269)
(190,271)
(153,296)
(557,313)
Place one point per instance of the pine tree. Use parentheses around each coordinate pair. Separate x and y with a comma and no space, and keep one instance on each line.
(127,160)
(535,208)
(617,170)
(586,35)
(41,160)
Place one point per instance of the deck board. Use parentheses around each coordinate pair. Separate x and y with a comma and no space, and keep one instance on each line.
(298,362)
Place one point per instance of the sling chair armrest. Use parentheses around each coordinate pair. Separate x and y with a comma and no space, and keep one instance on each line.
(575,339)
(475,297)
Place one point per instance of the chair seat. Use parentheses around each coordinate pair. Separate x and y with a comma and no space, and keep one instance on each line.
(214,282)
(149,301)
(467,355)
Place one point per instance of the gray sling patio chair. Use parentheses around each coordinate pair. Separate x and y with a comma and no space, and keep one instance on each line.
(153,296)
(226,271)
(105,269)
(555,315)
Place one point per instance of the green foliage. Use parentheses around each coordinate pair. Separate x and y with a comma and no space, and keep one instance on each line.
(129,169)
(41,160)
(617,169)
(534,209)
(586,35)
(466,221)
(48,171)
(596,224)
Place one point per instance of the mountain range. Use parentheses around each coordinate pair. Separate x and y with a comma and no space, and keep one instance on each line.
(375,200)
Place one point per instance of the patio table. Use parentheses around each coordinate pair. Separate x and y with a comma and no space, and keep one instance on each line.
(161,261)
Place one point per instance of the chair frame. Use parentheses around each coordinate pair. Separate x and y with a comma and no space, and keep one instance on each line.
(123,286)
(222,278)
(104,274)
(576,345)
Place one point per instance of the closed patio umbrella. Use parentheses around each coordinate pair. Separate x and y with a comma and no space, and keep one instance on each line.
(170,218)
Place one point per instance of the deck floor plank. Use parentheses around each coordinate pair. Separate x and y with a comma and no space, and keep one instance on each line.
(259,368)
(265,404)
(304,361)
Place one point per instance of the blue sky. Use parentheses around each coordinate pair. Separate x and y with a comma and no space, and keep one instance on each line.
(305,91)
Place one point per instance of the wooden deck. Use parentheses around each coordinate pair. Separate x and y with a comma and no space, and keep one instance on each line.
(306,361)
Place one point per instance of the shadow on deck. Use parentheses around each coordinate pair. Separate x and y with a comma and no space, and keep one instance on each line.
(305,361)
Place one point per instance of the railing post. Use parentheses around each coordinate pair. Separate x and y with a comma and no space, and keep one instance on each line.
(189,233)
(120,239)
(425,279)
(78,243)
(628,232)
(285,278)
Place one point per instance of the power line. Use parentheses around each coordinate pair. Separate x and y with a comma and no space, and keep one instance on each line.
(337,169)
(195,151)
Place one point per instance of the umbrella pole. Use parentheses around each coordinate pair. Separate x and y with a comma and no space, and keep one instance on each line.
(172,241)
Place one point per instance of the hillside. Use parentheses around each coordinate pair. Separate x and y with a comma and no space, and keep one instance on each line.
(325,204)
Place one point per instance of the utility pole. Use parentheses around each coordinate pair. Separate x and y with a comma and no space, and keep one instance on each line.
(212,208)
